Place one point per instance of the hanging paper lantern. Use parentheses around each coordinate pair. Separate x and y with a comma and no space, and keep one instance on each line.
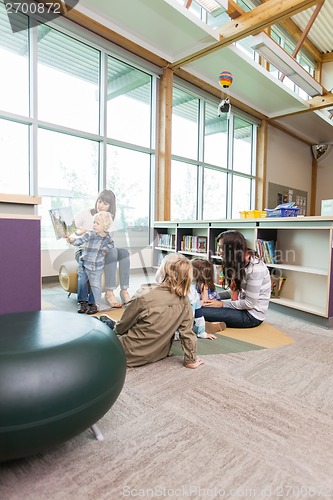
(225,79)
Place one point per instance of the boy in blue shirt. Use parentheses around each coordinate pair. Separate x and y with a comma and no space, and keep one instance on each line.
(96,244)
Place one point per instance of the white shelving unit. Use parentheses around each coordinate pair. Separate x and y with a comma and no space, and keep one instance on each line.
(304,250)
(304,246)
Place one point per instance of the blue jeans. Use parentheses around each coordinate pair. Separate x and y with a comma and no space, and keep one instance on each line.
(233,318)
(83,294)
(82,285)
(120,255)
(95,281)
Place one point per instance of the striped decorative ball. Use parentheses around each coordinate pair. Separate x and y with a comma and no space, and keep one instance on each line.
(225,79)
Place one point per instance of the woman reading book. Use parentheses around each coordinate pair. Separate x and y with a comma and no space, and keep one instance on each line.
(248,281)
(106,202)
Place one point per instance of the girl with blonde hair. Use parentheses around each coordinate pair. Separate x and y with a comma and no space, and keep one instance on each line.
(147,327)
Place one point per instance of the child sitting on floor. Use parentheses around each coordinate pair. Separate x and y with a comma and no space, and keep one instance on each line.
(203,278)
(203,274)
(199,326)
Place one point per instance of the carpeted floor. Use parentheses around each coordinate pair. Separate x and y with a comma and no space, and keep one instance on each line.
(251,424)
(232,340)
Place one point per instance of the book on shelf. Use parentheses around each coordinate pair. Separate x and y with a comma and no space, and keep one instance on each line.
(266,250)
(196,244)
(201,244)
(277,284)
(166,240)
(63,221)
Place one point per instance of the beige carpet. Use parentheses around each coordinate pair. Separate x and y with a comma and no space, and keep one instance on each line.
(255,424)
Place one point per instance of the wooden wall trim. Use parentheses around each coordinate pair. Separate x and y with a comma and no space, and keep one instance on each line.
(261,188)
(164,136)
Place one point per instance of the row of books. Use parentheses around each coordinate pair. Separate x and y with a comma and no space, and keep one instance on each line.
(166,240)
(266,250)
(197,244)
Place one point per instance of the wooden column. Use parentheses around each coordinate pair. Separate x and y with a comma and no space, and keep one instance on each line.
(261,189)
(164,146)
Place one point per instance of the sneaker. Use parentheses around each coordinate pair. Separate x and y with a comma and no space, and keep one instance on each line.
(83,307)
(107,320)
(92,309)
(125,296)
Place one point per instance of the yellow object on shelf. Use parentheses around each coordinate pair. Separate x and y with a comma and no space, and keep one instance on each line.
(252,214)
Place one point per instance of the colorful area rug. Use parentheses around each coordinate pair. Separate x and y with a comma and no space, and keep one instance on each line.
(230,340)
(240,340)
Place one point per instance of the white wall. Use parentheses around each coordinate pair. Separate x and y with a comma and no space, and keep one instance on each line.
(289,161)
(324,180)
(327,75)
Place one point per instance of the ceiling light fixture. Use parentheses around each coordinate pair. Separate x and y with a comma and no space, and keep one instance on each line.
(213,5)
(284,62)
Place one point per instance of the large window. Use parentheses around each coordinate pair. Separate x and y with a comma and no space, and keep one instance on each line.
(128,175)
(216,137)
(77,118)
(64,145)
(185,117)
(213,168)
(128,103)
(214,194)
(184,191)
(14,57)
(68,81)
(242,150)
(67,176)
(14,157)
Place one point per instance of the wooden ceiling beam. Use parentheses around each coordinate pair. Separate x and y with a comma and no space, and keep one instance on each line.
(292,28)
(234,10)
(262,17)
(321,101)
(250,23)
(327,57)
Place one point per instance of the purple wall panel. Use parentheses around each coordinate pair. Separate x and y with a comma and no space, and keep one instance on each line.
(20,265)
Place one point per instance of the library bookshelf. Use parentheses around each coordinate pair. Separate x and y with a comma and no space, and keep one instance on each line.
(303,246)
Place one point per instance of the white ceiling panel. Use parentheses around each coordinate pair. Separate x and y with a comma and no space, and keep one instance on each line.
(163,27)
(170,31)
(312,126)
(251,83)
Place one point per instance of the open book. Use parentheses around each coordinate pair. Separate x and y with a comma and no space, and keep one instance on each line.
(63,221)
